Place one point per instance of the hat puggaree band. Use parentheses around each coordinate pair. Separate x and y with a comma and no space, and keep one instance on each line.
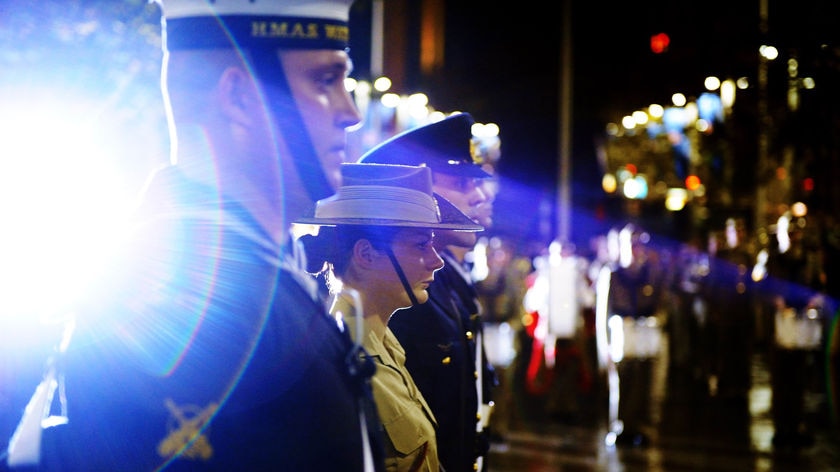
(388,195)
(382,202)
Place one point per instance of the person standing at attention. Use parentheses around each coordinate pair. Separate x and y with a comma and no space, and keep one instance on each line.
(441,337)
(376,243)
(206,346)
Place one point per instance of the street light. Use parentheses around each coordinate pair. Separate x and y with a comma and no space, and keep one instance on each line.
(711,83)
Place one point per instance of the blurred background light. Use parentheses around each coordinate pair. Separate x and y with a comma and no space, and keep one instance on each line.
(382,84)
(711,83)
(768,52)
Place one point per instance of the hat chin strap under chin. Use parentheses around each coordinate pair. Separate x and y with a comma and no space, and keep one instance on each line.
(401,275)
(270,70)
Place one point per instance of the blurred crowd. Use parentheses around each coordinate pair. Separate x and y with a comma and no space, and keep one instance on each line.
(706,306)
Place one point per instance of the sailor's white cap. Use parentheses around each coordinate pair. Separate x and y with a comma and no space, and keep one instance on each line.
(297,24)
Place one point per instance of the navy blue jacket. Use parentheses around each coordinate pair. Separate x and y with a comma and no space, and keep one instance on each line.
(208,349)
(439,338)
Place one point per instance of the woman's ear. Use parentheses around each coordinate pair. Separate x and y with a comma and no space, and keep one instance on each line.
(238,96)
(364,254)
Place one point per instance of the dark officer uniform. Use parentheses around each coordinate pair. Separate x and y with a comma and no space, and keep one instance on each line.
(201,364)
(440,336)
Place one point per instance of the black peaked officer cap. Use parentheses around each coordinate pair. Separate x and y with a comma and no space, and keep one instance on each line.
(444,146)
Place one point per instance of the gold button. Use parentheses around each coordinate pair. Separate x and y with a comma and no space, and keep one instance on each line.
(478,416)
(446,360)
(475,374)
(475,465)
(469,335)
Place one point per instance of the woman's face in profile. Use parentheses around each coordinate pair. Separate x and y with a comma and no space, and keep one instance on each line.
(414,250)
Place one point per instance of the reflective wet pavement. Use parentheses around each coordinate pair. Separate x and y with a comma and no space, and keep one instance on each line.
(690,431)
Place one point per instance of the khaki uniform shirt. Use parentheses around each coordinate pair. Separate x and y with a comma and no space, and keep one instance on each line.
(410,443)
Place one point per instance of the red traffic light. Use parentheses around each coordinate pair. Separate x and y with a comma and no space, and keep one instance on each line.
(659,43)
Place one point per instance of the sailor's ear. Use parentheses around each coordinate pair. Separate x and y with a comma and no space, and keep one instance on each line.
(239,96)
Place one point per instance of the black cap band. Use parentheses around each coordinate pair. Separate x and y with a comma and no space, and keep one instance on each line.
(250,31)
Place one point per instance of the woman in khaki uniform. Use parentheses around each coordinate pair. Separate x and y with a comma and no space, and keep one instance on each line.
(376,238)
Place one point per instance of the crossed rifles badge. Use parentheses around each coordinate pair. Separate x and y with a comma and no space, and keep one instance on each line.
(185,431)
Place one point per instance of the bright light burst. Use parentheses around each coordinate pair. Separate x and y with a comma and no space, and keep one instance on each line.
(80,115)
(62,197)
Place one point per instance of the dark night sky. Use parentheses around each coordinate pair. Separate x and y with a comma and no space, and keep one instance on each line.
(502,65)
(506,61)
